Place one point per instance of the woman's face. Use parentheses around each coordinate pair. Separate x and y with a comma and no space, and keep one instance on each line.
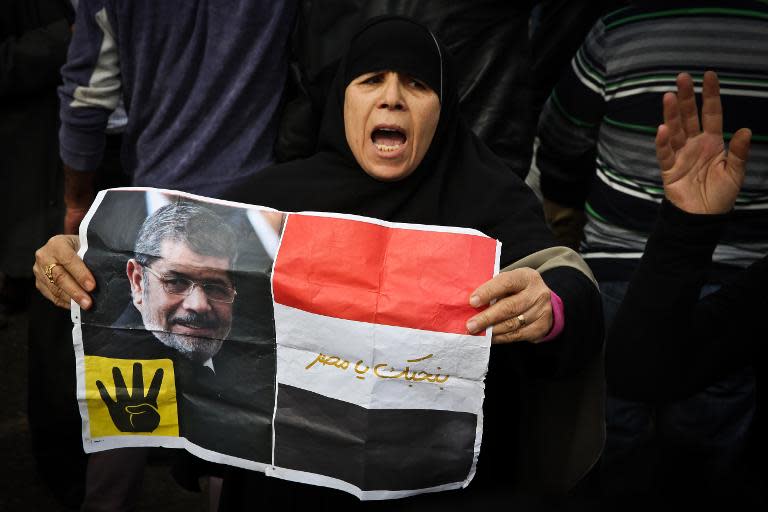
(389,119)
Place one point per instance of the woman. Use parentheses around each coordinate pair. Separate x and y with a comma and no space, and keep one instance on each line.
(393,146)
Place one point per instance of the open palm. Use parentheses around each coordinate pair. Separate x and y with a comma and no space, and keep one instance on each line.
(699,175)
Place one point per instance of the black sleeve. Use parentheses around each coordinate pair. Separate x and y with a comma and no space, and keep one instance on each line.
(582,335)
(665,343)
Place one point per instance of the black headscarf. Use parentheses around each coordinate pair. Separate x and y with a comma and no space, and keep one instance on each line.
(460,182)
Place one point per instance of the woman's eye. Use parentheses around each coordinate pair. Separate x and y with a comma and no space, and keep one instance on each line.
(416,84)
(375,79)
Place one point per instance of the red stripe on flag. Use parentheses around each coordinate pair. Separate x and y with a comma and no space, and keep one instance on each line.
(392,276)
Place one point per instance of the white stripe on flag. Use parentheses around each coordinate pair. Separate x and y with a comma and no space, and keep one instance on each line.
(364,363)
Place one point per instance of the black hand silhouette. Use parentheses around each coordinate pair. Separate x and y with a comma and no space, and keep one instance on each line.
(134,413)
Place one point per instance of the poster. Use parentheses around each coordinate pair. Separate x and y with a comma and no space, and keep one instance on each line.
(320,348)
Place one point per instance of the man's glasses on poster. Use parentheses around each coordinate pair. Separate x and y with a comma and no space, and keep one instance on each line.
(180,285)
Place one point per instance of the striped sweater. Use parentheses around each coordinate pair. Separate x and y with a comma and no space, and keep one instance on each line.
(608,102)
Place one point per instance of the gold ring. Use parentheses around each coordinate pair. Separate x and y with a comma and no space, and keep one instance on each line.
(521,319)
(48,270)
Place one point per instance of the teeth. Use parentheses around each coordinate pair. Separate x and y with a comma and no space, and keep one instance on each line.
(384,147)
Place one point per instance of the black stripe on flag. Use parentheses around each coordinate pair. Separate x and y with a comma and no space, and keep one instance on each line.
(373,449)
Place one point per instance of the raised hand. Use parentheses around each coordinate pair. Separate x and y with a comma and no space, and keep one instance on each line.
(699,175)
(135,412)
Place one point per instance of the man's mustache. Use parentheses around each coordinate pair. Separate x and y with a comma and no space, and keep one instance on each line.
(196,321)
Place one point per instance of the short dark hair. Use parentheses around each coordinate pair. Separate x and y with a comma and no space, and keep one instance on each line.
(195,225)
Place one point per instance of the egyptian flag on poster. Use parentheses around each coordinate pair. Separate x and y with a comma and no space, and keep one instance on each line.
(379,385)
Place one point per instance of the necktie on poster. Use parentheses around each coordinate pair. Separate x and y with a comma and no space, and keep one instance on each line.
(321,348)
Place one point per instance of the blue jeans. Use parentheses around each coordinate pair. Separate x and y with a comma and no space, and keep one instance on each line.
(703,435)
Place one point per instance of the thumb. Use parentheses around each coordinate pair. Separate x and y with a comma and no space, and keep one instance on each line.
(140,408)
(738,152)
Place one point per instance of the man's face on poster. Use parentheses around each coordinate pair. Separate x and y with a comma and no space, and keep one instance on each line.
(185,299)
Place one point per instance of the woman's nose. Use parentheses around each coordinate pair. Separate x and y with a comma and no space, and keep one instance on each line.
(392,93)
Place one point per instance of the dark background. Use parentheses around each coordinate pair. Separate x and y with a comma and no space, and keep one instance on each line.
(21,486)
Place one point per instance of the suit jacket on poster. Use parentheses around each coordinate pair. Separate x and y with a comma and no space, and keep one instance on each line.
(227,409)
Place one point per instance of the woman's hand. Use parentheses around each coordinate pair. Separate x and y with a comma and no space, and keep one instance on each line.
(60,274)
(522,311)
(698,175)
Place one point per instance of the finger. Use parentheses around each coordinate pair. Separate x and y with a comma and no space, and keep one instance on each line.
(140,409)
(738,152)
(68,257)
(121,392)
(64,287)
(104,394)
(75,265)
(665,154)
(154,386)
(711,108)
(510,324)
(502,314)
(70,273)
(44,287)
(686,100)
(138,382)
(504,284)
(537,309)
(673,121)
(532,331)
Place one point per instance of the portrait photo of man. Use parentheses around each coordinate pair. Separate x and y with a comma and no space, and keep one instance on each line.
(183,279)
(180,280)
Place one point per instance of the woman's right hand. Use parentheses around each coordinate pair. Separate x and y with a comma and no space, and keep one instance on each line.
(60,274)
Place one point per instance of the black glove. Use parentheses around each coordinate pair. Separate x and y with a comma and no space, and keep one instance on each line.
(134,413)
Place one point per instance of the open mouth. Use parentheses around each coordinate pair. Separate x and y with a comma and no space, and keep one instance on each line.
(388,138)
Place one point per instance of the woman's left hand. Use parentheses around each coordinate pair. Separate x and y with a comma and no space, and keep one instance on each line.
(522,312)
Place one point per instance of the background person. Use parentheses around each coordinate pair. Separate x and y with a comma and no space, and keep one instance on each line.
(666,343)
(606,103)
(201,84)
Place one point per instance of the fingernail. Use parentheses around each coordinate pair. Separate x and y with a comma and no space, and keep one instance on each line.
(474,301)
(89,284)
(85,303)
(472,326)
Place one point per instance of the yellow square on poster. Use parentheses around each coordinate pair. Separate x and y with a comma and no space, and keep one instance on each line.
(131,397)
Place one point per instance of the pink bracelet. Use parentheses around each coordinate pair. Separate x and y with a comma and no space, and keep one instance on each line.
(558,316)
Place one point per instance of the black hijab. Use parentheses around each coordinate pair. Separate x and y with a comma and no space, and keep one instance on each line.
(460,182)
